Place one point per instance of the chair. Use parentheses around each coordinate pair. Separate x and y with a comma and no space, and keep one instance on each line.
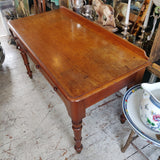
(39,6)
(155,71)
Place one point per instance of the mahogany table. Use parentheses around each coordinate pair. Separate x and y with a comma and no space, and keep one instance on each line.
(82,61)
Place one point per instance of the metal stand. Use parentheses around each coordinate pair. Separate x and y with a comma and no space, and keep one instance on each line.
(140,42)
(125,33)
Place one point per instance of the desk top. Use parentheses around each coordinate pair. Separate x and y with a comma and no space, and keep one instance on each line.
(80,57)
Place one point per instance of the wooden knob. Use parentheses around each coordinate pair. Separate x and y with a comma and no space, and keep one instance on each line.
(37,66)
(55,88)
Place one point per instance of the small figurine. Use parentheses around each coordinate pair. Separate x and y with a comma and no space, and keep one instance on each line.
(88,12)
(105,13)
(22,8)
(77,5)
(120,9)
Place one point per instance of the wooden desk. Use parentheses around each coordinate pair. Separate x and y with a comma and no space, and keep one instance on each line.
(82,61)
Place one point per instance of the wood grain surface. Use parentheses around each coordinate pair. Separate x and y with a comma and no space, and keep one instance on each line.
(79,55)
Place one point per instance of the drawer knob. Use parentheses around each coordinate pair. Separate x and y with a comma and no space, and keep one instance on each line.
(55,88)
(37,66)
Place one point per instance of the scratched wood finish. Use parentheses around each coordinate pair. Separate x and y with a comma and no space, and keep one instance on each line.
(82,61)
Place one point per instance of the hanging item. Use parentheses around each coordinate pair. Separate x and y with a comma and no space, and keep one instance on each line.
(22,8)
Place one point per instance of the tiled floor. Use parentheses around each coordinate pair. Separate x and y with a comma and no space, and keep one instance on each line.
(34,124)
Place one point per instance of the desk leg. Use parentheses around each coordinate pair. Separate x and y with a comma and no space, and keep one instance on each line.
(25,59)
(77,128)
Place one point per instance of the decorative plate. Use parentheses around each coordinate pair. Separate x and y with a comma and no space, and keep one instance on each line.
(130,105)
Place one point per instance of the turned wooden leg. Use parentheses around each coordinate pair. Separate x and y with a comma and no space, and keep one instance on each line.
(25,59)
(77,127)
(122,118)
(129,140)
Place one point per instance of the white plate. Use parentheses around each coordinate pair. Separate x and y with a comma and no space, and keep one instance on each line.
(130,104)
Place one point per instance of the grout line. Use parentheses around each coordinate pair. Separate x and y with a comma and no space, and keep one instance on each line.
(131,155)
